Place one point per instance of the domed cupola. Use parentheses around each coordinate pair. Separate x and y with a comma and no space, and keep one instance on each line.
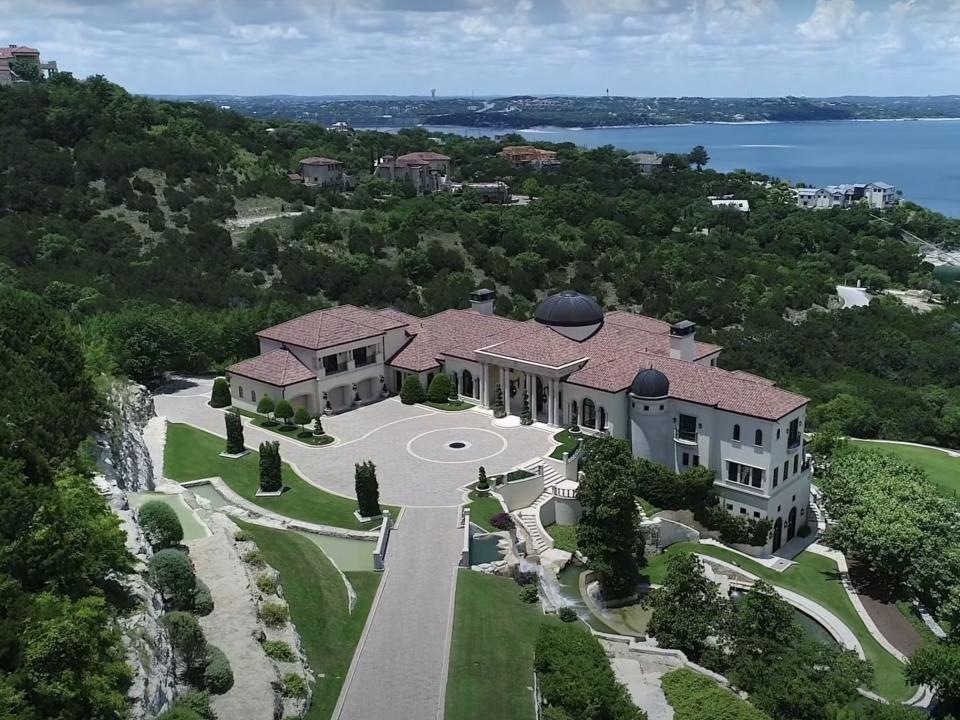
(571,314)
(650,383)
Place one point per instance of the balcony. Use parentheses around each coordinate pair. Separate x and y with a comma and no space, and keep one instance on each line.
(329,370)
(794,441)
(688,437)
(363,362)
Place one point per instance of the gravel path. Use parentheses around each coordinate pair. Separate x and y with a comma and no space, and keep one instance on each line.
(882,609)
(231,624)
(400,670)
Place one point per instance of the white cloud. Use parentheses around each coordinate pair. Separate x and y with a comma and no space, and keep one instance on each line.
(832,20)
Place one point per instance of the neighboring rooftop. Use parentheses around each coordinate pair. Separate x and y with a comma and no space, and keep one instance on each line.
(326,328)
(320,161)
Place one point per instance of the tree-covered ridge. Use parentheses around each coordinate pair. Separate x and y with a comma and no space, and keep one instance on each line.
(118,209)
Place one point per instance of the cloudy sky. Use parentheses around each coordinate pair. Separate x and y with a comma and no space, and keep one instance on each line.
(459,47)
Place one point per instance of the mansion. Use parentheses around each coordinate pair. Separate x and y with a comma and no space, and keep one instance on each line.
(634,377)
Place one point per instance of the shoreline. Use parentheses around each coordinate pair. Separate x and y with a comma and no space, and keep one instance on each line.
(546,129)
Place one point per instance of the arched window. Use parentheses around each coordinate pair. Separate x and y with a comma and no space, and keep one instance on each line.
(736,432)
(589,414)
(253,396)
(240,392)
(602,425)
(758,437)
(467,383)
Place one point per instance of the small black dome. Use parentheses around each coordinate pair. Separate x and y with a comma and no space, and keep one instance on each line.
(568,309)
(650,383)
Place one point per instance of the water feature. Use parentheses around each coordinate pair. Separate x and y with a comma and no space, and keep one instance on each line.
(485,548)
(193,527)
(348,554)
(211,495)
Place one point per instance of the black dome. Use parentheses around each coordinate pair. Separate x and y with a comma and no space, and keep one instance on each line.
(568,309)
(650,383)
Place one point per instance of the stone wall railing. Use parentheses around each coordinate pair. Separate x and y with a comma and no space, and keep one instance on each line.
(380,551)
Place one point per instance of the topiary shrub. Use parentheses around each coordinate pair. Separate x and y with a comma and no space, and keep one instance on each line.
(367,489)
(220,395)
(254,558)
(499,410)
(317,426)
(440,388)
(202,599)
(483,484)
(271,467)
(526,417)
(279,650)
(301,417)
(567,614)
(173,576)
(274,614)
(267,584)
(234,433)
(265,406)
(217,675)
(187,639)
(412,391)
(502,521)
(284,411)
(529,594)
(160,524)
(294,685)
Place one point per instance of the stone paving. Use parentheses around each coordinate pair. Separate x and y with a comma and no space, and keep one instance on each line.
(399,671)
(416,466)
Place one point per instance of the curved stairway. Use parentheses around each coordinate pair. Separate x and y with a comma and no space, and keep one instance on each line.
(528,517)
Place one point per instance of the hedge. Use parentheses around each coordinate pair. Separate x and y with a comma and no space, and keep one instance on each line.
(696,697)
(160,524)
(218,675)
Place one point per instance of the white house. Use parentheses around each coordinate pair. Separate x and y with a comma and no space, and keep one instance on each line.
(426,171)
(881,195)
(646,162)
(634,377)
(878,195)
(322,171)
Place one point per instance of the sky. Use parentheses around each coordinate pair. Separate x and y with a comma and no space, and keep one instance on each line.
(499,47)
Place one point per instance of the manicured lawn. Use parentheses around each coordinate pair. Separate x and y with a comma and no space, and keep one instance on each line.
(817,578)
(568,442)
(564,537)
(941,468)
(648,507)
(294,432)
(191,454)
(491,656)
(319,608)
(451,406)
(482,509)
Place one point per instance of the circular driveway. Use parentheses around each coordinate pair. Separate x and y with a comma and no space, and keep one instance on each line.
(409,444)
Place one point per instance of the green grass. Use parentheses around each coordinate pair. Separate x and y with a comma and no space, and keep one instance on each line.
(648,507)
(192,454)
(941,468)
(909,611)
(696,697)
(564,537)
(568,442)
(292,432)
(451,406)
(491,656)
(816,577)
(319,608)
(482,508)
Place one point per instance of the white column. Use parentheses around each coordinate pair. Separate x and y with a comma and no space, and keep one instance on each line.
(531,389)
(506,390)
(550,419)
(503,385)
(483,385)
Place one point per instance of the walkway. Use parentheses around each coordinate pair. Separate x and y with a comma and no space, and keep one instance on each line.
(409,444)
(882,609)
(230,626)
(400,667)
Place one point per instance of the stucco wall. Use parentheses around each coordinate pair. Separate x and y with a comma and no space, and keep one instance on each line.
(521,493)
(614,403)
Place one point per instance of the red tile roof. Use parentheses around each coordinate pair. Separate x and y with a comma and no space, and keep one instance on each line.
(278,368)
(10,52)
(320,161)
(700,384)
(423,157)
(326,328)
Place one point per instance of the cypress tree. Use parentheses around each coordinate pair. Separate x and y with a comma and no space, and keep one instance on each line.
(368,490)
(270,464)
(220,396)
(234,433)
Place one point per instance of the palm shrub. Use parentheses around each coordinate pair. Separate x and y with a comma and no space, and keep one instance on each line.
(220,395)
(412,391)
(440,389)
(317,426)
(270,467)
(284,411)
(217,675)
(367,488)
(173,576)
(301,417)
(187,639)
(234,433)
(265,406)
(160,524)
(499,409)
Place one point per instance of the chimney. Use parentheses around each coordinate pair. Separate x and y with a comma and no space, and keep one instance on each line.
(482,301)
(682,343)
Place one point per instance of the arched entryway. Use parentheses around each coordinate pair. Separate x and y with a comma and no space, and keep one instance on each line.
(467,381)
(791,524)
(777,533)
(589,414)
(541,399)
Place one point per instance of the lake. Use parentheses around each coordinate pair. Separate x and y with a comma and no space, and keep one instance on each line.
(920,157)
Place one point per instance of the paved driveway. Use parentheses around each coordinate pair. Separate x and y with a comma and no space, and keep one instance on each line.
(423,456)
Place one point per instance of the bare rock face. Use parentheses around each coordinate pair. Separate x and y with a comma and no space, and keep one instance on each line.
(124,458)
(127,467)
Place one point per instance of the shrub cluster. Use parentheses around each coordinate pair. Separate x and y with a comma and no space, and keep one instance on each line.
(576,678)
(412,392)
(202,599)
(529,593)
(441,388)
(254,558)
(274,614)
(666,489)
(220,395)
(271,479)
(173,576)
(279,650)
(502,521)
(367,488)
(736,528)
(294,685)
(190,706)
(187,639)
(696,697)
(160,524)
(217,675)
(267,584)
(234,425)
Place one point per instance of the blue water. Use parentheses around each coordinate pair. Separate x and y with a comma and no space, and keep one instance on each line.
(921,157)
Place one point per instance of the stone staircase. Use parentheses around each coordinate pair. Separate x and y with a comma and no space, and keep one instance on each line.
(527,517)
